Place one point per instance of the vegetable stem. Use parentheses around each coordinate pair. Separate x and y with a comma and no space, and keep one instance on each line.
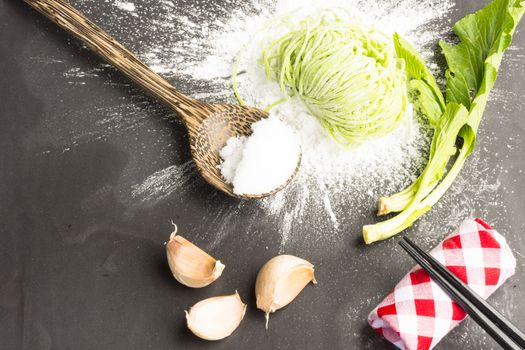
(389,228)
(472,70)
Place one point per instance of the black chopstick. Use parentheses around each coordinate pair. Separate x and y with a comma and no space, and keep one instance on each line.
(507,326)
(486,321)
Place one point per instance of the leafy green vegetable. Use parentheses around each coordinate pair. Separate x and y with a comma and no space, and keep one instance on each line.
(451,122)
(426,96)
(472,70)
(428,100)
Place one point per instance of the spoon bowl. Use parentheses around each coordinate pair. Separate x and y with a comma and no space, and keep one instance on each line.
(211,135)
(209,125)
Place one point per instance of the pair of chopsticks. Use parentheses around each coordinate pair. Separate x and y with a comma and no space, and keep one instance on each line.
(498,327)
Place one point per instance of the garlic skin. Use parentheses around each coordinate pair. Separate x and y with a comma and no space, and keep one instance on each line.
(216,318)
(189,264)
(279,282)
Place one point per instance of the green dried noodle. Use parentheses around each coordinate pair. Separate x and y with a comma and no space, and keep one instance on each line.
(347,75)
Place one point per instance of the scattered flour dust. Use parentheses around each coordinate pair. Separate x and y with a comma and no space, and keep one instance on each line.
(335,187)
(164,182)
(125,5)
(194,44)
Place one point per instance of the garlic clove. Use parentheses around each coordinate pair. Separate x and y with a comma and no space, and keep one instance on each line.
(216,318)
(279,282)
(189,264)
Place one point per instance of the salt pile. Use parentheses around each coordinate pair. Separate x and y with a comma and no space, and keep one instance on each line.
(262,162)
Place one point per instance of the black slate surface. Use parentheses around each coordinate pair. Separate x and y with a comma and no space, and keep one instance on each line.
(83,267)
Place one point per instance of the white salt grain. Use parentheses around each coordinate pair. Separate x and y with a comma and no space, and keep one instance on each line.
(232,156)
(262,162)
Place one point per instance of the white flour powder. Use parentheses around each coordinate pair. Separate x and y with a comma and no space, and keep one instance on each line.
(126,6)
(194,45)
(333,185)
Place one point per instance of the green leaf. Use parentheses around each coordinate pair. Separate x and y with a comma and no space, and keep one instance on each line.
(424,91)
(458,90)
(453,120)
(473,63)
(424,100)
(472,71)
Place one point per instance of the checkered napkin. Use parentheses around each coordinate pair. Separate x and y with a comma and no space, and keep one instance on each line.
(417,314)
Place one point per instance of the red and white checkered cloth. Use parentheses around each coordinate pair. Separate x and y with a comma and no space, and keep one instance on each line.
(417,314)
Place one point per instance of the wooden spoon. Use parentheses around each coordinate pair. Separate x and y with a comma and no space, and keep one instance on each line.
(209,125)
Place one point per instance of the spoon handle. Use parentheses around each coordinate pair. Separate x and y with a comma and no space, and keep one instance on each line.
(67,17)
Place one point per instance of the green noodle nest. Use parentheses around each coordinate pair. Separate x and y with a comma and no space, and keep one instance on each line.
(347,75)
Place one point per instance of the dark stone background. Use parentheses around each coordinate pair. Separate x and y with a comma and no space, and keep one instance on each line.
(83,268)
